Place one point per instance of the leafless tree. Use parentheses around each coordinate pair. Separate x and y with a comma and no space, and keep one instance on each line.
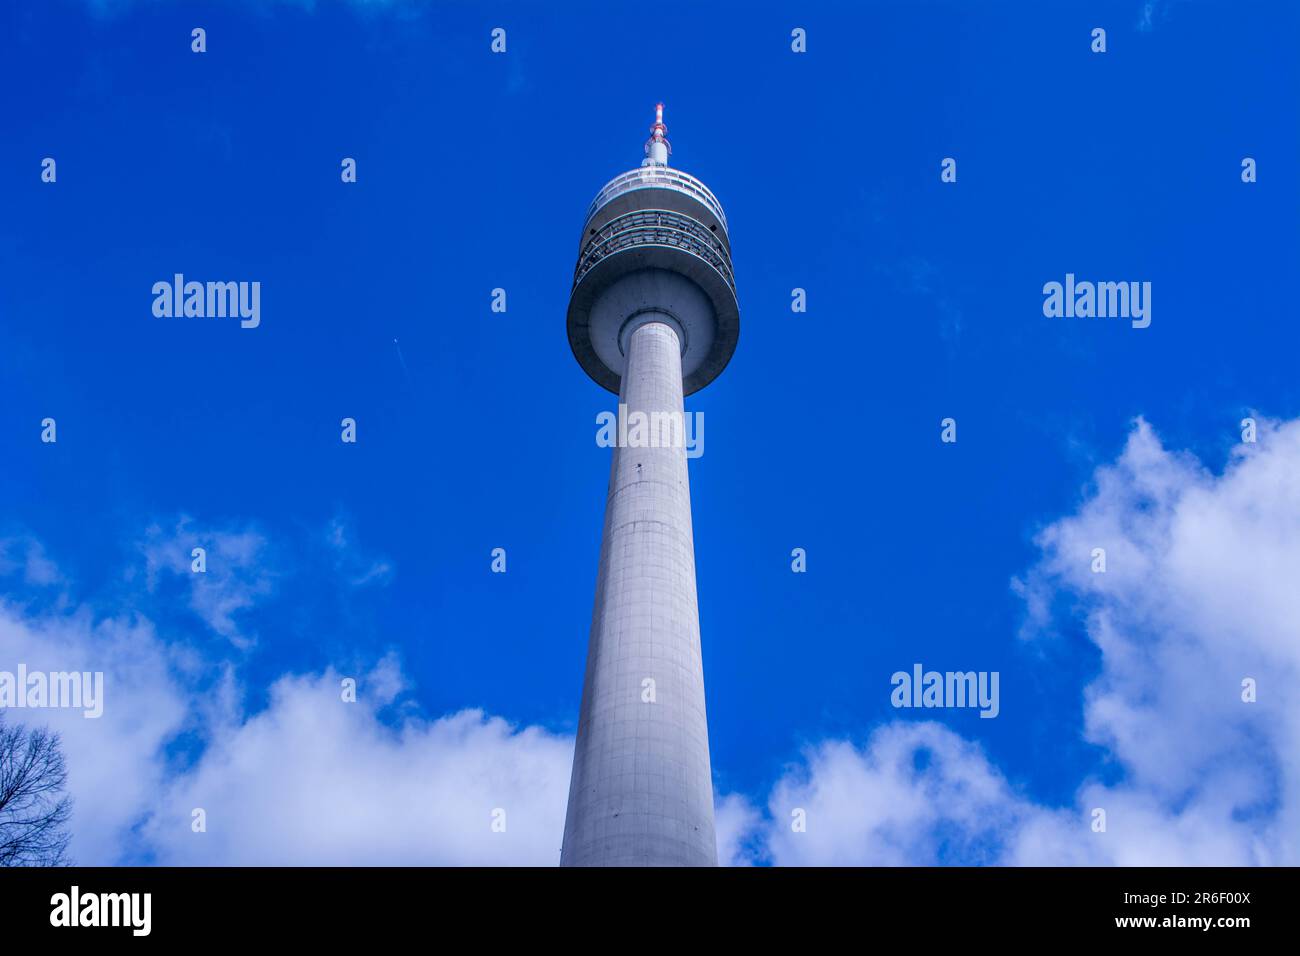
(34,809)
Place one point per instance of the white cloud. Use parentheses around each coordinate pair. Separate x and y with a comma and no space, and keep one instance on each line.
(310,779)
(916,794)
(736,822)
(115,762)
(1200,592)
(315,780)
(305,779)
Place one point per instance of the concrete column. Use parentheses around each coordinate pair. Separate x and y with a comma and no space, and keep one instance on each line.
(642,791)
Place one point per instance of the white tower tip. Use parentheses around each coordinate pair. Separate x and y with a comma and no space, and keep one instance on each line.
(657,147)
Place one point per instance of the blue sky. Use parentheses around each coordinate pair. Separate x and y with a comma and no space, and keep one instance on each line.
(474,171)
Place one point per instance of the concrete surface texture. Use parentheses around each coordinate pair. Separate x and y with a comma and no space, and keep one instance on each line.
(641,793)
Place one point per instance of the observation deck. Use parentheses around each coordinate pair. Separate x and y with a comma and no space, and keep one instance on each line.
(655,240)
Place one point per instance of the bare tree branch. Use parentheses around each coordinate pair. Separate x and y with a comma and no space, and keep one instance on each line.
(33,812)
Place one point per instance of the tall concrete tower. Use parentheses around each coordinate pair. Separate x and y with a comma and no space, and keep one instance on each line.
(653,316)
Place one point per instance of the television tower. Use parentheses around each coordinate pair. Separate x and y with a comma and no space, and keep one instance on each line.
(653,316)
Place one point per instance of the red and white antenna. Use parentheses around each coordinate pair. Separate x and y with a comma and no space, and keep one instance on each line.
(657,147)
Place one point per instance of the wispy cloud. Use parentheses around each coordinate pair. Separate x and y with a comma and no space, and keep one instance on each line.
(1146,17)
(1152,13)
(237,572)
(356,569)
(26,555)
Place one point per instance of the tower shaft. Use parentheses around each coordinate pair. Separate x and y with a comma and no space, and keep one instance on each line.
(653,316)
(641,793)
